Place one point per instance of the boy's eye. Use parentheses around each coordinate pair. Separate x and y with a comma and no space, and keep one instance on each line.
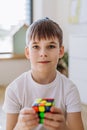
(51,46)
(36,47)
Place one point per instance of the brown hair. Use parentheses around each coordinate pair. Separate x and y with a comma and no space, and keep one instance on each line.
(44,29)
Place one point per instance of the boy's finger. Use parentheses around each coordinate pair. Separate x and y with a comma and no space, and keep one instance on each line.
(27,111)
(56,110)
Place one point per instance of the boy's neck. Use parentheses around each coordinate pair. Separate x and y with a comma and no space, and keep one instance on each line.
(44,78)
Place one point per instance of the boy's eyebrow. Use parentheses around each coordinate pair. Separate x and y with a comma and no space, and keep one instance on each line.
(53,42)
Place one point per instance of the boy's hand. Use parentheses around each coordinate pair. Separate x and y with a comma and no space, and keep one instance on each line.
(27,120)
(55,120)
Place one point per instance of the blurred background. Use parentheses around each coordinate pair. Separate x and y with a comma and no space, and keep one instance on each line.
(15,18)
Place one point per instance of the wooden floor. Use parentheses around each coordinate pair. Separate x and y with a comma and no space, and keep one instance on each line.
(2,114)
(84,115)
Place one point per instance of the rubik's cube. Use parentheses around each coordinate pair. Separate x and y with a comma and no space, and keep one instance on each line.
(41,106)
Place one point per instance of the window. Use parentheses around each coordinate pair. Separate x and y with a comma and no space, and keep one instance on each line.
(12,14)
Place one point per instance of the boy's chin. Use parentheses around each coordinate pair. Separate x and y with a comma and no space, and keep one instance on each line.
(44,70)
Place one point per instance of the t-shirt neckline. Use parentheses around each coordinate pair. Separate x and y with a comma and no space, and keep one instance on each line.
(35,84)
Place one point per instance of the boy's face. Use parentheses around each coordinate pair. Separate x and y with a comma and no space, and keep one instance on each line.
(44,54)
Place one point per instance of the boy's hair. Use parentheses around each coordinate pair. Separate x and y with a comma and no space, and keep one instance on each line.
(44,29)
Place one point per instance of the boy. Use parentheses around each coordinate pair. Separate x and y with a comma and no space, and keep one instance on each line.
(43,49)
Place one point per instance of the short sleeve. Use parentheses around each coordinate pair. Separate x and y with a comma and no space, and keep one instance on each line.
(73,102)
(11,102)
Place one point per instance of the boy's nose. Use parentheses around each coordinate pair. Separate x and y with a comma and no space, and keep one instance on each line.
(43,53)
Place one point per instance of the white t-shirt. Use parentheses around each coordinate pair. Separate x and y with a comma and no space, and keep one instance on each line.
(24,90)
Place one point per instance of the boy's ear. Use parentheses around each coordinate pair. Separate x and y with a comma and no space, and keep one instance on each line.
(61,52)
(27,52)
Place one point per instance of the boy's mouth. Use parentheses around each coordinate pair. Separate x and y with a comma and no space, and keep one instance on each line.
(43,62)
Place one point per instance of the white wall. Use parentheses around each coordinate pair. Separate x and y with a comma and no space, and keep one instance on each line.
(44,8)
(78,63)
